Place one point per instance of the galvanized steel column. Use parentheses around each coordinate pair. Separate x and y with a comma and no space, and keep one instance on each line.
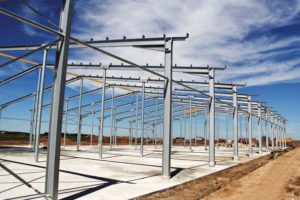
(180,128)
(276,132)
(156,122)
(273,130)
(195,128)
(235,124)
(281,131)
(205,129)
(130,134)
(211,159)
(191,124)
(40,104)
(267,131)
(250,125)
(284,131)
(166,163)
(66,122)
(101,131)
(112,117)
(136,120)
(143,118)
(79,116)
(227,128)
(184,141)
(92,126)
(259,129)
(32,123)
(52,169)
(36,107)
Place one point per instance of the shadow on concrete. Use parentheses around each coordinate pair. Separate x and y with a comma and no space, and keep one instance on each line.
(106,182)
(20,179)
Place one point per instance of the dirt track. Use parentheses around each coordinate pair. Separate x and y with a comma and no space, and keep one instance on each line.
(279,179)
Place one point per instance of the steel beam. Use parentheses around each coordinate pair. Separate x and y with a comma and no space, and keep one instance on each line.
(14,77)
(28,53)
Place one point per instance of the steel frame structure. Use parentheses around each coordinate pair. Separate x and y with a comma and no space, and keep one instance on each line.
(165,97)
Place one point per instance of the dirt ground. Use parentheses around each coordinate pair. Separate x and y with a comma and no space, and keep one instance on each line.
(267,177)
(279,179)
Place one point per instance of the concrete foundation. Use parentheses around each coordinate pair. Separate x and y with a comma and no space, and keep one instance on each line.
(121,174)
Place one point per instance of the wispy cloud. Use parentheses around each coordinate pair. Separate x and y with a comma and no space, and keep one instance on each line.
(234,33)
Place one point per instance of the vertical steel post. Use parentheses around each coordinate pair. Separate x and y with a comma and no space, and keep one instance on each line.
(31,128)
(156,122)
(115,132)
(0,115)
(281,136)
(205,129)
(184,141)
(259,129)
(195,128)
(153,130)
(284,132)
(36,107)
(101,127)
(52,169)
(191,124)
(136,120)
(166,163)
(276,132)
(211,76)
(217,130)
(180,127)
(143,119)
(279,133)
(66,122)
(79,116)
(273,130)
(92,126)
(235,124)
(32,123)
(250,126)
(40,104)
(226,128)
(241,125)
(112,117)
(129,138)
(267,130)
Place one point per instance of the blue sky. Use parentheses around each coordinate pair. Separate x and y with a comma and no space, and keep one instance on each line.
(257,40)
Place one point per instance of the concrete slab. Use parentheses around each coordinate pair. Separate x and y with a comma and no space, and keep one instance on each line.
(121,174)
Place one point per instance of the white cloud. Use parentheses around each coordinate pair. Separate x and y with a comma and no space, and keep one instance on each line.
(216,28)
